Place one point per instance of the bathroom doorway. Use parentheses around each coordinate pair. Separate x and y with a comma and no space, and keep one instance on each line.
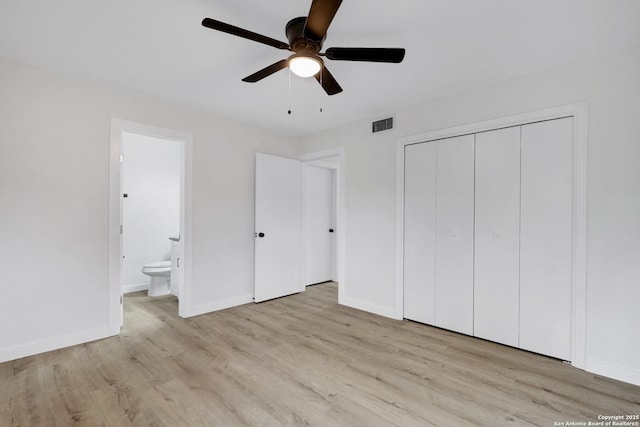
(150,214)
(151,186)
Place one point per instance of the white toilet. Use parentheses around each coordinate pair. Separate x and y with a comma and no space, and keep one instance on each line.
(160,273)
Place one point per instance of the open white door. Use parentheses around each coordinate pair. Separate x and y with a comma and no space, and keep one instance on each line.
(278,232)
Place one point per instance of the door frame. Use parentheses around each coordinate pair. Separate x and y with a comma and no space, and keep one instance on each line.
(579,112)
(118,126)
(317,158)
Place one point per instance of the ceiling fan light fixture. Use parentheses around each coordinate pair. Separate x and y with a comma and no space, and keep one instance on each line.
(304,65)
(306,34)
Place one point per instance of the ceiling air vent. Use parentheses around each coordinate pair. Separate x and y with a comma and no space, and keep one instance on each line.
(380,125)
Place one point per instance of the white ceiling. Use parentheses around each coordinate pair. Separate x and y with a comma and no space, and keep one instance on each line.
(160,48)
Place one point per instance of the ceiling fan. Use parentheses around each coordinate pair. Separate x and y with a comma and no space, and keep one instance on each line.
(306,35)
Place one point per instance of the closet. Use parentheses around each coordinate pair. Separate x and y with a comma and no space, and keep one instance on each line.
(488,235)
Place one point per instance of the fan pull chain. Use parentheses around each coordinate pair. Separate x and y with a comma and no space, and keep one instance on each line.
(321,83)
(289,102)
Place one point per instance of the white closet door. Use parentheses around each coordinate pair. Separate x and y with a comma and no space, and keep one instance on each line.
(545,240)
(454,234)
(317,217)
(497,223)
(419,232)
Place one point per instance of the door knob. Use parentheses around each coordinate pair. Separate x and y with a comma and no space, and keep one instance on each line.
(260,234)
(331,230)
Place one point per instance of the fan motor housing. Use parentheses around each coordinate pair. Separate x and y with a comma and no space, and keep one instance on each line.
(297,41)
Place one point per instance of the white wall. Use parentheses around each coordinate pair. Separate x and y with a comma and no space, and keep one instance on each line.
(151,176)
(611,85)
(54,165)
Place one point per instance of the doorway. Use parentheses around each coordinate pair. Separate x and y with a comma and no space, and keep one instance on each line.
(279,234)
(151,192)
(124,253)
(332,161)
(319,221)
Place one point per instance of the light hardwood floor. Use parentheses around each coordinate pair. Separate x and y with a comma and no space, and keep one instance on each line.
(302,360)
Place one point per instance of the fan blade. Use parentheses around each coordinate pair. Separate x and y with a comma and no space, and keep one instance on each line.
(240,32)
(328,82)
(320,16)
(369,54)
(266,72)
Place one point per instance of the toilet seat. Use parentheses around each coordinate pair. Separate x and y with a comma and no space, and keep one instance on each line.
(158,264)
(157,267)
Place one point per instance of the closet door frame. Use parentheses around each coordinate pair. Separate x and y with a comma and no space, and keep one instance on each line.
(579,112)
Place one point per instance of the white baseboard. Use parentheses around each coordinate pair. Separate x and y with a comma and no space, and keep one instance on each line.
(218,305)
(610,370)
(368,307)
(127,289)
(54,343)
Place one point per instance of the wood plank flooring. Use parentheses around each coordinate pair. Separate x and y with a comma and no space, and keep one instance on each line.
(302,360)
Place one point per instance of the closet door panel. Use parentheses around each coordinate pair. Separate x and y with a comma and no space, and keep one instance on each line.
(454,235)
(419,232)
(497,223)
(546,238)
